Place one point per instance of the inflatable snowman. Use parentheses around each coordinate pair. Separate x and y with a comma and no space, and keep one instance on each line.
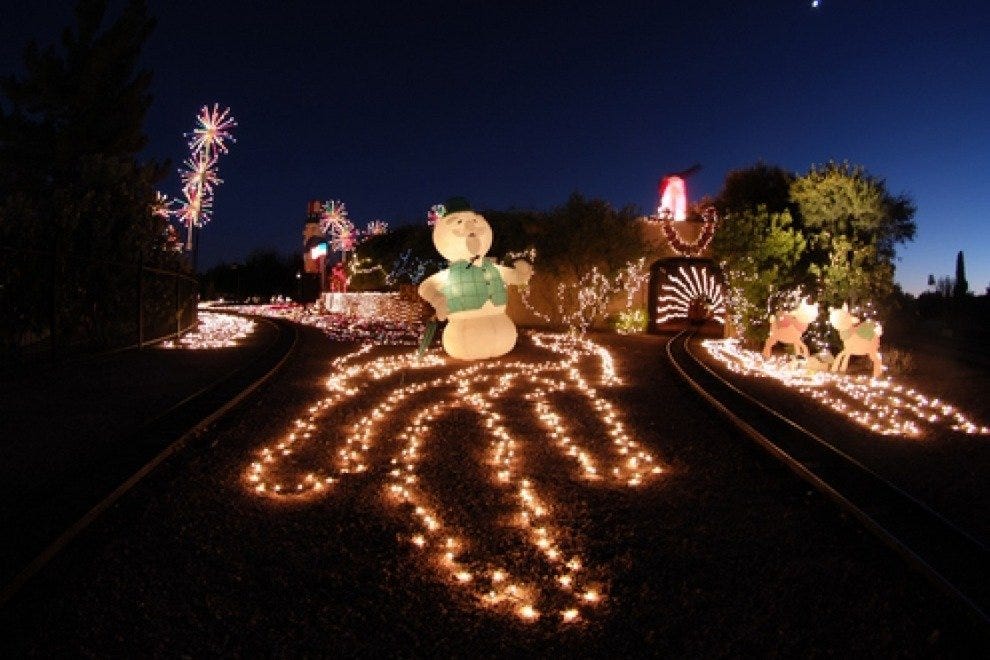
(470,294)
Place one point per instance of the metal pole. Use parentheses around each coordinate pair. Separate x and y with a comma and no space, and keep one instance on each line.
(54,318)
(140,300)
(178,318)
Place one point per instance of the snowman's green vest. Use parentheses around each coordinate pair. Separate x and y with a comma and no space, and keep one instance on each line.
(469,287)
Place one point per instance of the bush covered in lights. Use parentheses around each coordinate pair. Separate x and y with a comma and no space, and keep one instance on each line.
(631,321)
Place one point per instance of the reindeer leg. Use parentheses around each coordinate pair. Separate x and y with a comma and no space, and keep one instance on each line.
(767,346)
(837,365)
(877,365)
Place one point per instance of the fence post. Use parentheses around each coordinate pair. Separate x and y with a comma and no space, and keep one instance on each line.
(178,317)
(53,326)
(140,300)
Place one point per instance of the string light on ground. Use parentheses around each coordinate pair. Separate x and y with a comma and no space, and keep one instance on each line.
(382,318)
(423,391)
(879,404)
(214,331)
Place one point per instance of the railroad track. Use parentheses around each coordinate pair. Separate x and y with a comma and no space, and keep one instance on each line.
(165,434)
(947,555)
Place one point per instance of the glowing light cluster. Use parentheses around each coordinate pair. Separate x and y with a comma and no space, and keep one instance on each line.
(376,228)
(428,390)
(878,404)
(214,128)
(580,303)
(338,227)
(373,305)
(436,212)
(389,320)
(686,285)
(214,331)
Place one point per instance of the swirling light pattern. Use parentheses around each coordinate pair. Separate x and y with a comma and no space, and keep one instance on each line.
(561,586)
(879,404)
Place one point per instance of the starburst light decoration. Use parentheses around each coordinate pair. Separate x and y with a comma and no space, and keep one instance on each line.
(405,398)
(334,213)
(690,283)
(199,178)
(200,173)
(213,129)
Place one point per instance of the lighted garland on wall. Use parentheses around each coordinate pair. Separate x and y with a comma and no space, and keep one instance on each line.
(423,391)
(878,404)
(683,248)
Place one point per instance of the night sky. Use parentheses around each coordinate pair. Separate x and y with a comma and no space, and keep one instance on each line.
(392,108)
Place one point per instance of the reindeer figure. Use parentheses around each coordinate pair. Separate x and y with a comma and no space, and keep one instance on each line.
(857,338)
(790,326)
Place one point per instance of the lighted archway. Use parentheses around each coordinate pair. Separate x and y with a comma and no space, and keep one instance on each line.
(687,293)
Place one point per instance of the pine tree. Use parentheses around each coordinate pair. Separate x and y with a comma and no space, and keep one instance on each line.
(961,287)
(70,179)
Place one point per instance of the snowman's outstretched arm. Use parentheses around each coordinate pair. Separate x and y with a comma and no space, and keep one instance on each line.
(431,290)
(518,274)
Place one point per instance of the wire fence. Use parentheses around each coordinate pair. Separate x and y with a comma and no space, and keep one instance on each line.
(56,304)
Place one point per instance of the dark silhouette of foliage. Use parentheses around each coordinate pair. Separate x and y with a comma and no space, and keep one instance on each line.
(263,275)
(71,184)
(749,188)
(961,287)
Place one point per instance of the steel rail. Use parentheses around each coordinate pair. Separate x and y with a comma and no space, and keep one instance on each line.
(947,555)
(73,530)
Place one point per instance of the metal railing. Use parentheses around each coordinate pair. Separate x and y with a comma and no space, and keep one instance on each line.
(56,304)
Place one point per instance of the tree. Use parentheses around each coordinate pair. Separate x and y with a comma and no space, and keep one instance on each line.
(758,251)
(70,180)
(961,288)
(853,225)
(749,188)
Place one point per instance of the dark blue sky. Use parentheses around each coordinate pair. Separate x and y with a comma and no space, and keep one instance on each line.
(392,107)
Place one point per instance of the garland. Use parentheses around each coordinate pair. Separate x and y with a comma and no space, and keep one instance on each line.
(684,248)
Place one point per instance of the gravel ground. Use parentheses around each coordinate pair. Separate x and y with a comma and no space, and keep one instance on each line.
(945,469)
(71,432)
(725,554)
